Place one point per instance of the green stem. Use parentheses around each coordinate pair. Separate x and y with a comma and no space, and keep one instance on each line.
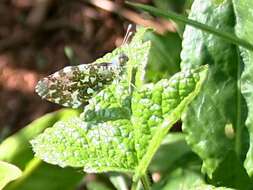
(239,126)
(171,15)
(132,80)
(145,182)
(134,185)
(31,167)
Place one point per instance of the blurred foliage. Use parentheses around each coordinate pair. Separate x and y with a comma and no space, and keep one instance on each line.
(181,178)
(97,186)
(40,176)
(180,6)
(36,174)
(182,156)
(175,5)
(164,57)
(16,148)
(8,172)
(70,54)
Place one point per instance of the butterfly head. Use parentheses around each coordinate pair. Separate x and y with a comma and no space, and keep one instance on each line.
(122,59)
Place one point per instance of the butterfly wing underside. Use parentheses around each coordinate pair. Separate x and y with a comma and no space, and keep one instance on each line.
(73,86)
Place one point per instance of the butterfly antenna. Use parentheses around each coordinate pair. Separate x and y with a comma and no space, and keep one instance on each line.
(128,34)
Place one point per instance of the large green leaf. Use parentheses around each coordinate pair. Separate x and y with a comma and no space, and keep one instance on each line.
(123,125)
(122,144)
(8,172)
(219,105)
(244,29)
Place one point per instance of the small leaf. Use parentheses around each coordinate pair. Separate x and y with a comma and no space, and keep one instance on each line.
(8,173)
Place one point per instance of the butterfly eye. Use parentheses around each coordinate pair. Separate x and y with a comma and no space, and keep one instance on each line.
(123,59)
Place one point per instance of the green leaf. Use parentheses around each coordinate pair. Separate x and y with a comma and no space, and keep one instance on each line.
(121,128)
(125,144)
(96,146)
(211,114)
(244,29)
(8,172)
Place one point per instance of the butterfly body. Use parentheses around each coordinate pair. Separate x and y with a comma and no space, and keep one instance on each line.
(73,86)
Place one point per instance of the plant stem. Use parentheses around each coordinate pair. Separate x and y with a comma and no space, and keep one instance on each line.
(171,15)
(134,185)
(239,125)
(132,80)
(145,182)
(30,168)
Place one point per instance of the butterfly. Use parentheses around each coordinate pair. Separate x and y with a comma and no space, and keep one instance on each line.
(73,86)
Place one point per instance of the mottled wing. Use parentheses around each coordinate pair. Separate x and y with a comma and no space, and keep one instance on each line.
(73,86)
